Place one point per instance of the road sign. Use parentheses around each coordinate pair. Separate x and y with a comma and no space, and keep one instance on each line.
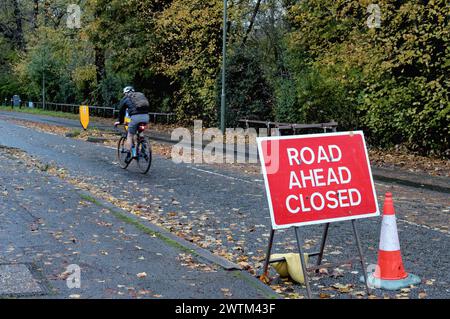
(319,178)
(84,116)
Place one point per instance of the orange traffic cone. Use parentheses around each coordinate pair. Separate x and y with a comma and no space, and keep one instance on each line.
(389,273)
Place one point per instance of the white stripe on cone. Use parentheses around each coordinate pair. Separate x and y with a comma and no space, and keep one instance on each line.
(389,236)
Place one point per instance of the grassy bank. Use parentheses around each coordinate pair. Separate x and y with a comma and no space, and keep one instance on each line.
(40,112)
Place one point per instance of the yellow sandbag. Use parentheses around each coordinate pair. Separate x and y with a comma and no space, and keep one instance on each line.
(291,267)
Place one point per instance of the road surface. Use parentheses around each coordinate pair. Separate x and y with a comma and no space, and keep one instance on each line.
(226,212)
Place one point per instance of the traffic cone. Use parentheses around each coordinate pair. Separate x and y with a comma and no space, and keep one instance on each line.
(390,274)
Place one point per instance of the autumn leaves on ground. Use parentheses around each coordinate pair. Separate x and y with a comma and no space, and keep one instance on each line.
(230,229)
(393,158)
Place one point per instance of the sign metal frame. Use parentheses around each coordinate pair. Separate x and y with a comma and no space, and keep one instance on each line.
(297,226)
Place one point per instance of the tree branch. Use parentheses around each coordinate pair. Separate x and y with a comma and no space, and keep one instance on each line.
(6,31)
(252,22)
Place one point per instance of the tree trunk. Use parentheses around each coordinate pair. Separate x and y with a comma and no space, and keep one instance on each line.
(35,14)
(100,66)
(252,22)
(18,32)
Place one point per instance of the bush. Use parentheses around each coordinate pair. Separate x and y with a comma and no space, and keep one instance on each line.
(249,95)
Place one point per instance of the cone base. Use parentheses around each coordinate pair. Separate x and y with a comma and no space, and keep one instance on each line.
(391,284)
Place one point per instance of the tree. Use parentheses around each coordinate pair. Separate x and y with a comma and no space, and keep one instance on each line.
(189,53)
(390,80)
(249,94)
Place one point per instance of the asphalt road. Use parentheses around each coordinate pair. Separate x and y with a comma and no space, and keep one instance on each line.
(228,212)
(47,225)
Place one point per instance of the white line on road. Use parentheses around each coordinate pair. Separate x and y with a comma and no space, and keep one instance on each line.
(50,133)
(423,226)
(381,184)
(221,175)
(210,172)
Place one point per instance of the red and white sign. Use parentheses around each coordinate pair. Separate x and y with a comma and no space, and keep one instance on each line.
(319,178)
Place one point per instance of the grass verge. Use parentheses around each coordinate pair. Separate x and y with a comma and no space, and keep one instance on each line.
(40,112)
(132,221)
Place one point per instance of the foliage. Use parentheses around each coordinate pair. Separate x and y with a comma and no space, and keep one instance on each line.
(292,61)
(249,95)
(392,79)
(189,53)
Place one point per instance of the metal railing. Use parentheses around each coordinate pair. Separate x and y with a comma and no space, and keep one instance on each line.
(289,128)
(168,116)
(100,111)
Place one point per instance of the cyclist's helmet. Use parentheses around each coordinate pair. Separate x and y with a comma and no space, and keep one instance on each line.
(128,89)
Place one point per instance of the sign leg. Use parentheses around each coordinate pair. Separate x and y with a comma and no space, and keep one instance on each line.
(361,255)
(322,244)
(302,260)
(269,250)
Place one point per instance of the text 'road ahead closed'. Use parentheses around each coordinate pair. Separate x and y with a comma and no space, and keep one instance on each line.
(315,179)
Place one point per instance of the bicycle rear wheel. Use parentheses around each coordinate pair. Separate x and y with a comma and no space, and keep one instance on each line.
(122,153)
(144,159)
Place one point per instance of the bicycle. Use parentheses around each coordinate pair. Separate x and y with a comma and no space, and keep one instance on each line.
(143,150)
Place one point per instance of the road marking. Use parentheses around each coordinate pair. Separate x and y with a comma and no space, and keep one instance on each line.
(423,226)
(207,172)
(30,128)
(218,174)
(381,184)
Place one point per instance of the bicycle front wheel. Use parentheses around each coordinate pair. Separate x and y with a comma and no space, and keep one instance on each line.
(122,153)
(144,159)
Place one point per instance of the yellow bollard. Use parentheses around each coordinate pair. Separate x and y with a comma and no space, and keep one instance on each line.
(84,116)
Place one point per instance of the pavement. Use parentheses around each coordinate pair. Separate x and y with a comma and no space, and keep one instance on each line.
(226,213)
(47,225)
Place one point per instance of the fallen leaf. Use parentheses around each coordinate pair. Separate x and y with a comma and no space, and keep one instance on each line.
(337,273)
(323,271)
(244,265)
(64,275)
(405,290)
(422,295)
(343,288)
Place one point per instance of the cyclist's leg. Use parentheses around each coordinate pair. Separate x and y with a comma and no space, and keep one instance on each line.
(132,131)
(129,142)
(147,119)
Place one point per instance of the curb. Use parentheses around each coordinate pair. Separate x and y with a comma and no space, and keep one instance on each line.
(92,139)
(181,243)
(382,175)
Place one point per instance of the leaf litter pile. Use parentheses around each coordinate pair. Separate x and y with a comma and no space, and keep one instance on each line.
(108,138)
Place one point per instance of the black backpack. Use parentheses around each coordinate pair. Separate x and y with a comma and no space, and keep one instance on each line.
(139,101)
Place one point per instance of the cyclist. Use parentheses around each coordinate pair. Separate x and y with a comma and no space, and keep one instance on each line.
(134,106)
